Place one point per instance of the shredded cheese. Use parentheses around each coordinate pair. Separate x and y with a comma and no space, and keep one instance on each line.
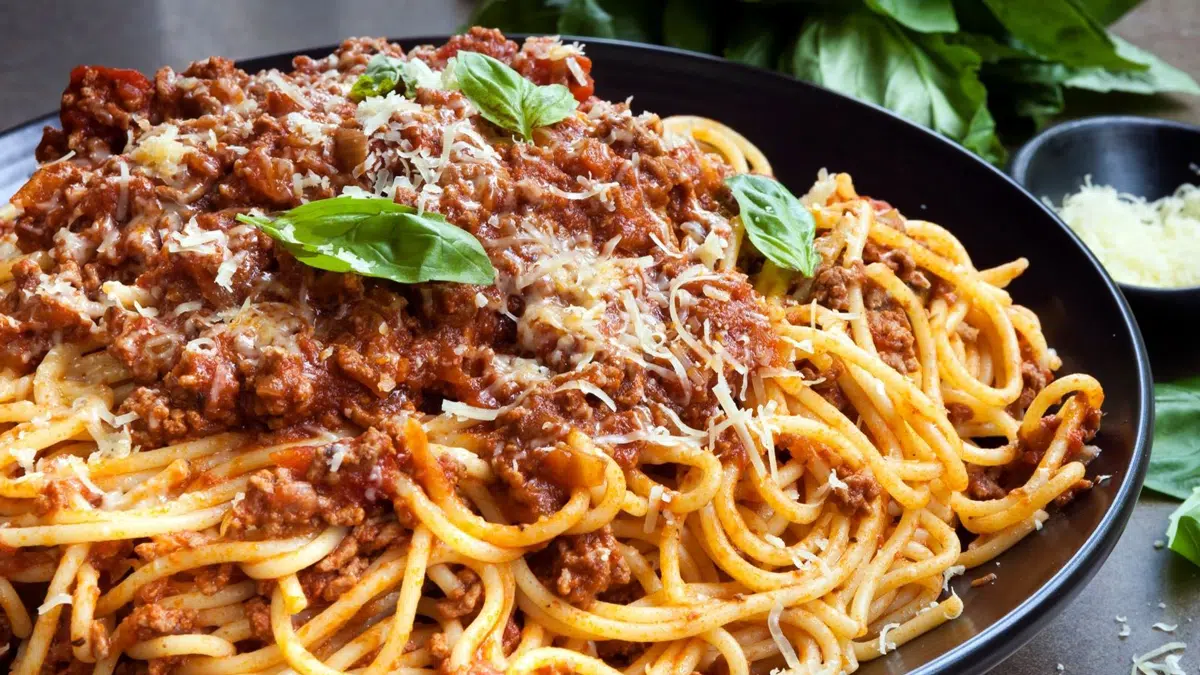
(655,501)
(884,645)
(781,641)
(1145,243)
(1145,664)
(337,456)
(950,573)
(54,601)
(589,388)
(470,412)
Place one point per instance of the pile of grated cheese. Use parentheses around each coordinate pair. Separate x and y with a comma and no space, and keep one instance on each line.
(1143,243)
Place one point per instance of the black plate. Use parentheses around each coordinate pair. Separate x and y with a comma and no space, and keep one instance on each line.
(1143,156)
(803,128)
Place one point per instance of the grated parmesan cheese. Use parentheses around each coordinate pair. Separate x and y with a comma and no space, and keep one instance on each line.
(781,642)
(589,388)
(161,153)
(886,646)
(1145,664)
(54,601)
(655,500)
(337,457)
(1145,243)
(950,573)
(470,412)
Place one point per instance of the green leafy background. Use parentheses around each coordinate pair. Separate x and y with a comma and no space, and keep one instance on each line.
(956,66)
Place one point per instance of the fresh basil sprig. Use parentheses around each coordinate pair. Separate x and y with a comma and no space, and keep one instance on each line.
(377,237)
(382,75)
(1175,460)
(779,226)
(507,99)
(1183,534)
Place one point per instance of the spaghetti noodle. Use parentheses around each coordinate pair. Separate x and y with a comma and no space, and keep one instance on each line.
(642,450)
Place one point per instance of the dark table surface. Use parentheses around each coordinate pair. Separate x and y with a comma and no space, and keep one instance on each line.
(43,40)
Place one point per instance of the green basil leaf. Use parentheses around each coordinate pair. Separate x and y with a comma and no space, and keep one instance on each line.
(779,226)
(990,50)
(1158,77)
(382,75)
(512,16)
(1183,533)
(924,16)
(376,237)
(507,99)
(690,24)
(754,38)
(1175,457)
(636,20)
(1108,11)
(1061,30)
(918,76)
(585,17)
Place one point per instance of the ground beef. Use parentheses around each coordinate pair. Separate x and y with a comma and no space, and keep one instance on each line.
(587,564)
(151,621)
(258,611)
(958,413)
(861,489)
(618,652)
(831,285)
(890,329)
(278,503)
(982,483)
(1034,378)
(98,107)
(462,600)
(900,262)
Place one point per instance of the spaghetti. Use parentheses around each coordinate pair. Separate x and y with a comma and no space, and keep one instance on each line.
(643,450)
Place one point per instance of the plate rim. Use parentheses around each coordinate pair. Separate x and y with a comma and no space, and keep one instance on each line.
(998,641)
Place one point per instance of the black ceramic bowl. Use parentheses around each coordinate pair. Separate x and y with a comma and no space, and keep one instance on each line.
(1142,156)
(804,128)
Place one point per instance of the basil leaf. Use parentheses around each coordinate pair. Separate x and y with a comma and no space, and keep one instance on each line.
(989,49)
(779,226)
(382,75)
(507,99)
(1175,455)
(918,76)
(1159,75)
(924,16)
(377,237)
(754,37)
(585,17)
(1108,11)
(1183,534)
(1060,30)
(689,24)
(513,16)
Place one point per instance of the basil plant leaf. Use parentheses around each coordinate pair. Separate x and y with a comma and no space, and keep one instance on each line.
(918,76)
(779,226)
(507,99)
(513,16)
(1158,77)
(1061,30)
(382,75)
(924,16)
(585,17)
(377,237)
(1183,533)
(1175,455)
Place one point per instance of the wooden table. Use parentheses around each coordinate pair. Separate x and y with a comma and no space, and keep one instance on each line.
(43,40)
